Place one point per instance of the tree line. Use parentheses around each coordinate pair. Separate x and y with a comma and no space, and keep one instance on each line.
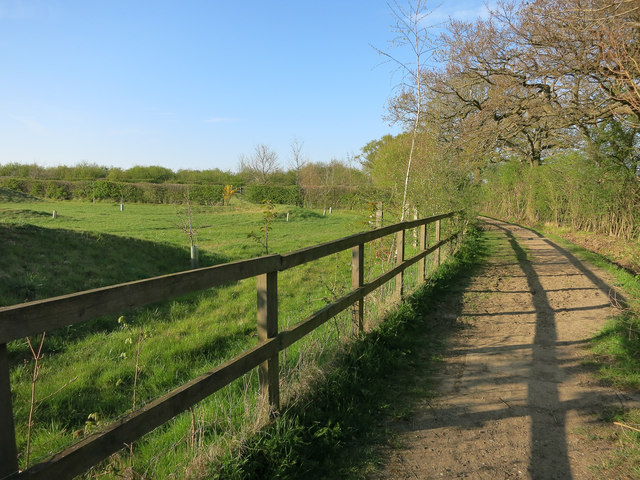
(311,184)
(531,113)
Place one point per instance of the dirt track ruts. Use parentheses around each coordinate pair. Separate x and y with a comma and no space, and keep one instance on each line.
(514,399)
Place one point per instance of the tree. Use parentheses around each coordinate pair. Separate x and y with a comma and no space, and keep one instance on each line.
(595,40)
(411,31)
(227,192)
(297,159)
(261,164)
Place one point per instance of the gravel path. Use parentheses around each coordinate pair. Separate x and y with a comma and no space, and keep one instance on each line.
(514,399)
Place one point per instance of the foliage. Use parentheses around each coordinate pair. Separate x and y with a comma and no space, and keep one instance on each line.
(227,192)
(442,182)
(289,195)
(335,184)
(570,190)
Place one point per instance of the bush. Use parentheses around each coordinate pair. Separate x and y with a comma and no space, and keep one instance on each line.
(58,190)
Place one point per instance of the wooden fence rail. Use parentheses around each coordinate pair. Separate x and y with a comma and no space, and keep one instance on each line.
(19,321)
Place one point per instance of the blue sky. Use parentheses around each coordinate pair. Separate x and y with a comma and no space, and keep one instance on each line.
(194,84)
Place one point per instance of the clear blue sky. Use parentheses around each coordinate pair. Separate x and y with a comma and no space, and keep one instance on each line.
(193,84)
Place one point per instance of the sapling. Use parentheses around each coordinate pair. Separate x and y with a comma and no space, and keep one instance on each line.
(227,192)
(185,214)
(268,215)
(34,378)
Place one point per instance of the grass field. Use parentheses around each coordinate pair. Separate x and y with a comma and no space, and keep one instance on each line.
(87,373)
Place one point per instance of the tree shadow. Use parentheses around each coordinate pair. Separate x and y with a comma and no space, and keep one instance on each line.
(548,431)
(538,367)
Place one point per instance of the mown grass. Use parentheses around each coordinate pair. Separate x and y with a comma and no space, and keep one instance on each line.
(87,372)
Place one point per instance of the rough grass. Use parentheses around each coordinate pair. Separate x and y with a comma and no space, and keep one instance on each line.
(87,372)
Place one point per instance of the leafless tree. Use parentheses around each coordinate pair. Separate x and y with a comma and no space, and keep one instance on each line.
(297,159)
(261,164)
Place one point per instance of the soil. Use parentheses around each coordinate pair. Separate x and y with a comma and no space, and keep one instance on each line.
(514,397)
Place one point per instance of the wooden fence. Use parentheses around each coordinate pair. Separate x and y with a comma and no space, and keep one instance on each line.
(19,321)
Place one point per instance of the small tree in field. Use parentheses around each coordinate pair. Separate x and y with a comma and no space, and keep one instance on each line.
(227,192)
(268,215)
(185,215)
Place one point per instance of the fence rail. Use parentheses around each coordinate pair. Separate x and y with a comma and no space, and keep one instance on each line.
(30,318)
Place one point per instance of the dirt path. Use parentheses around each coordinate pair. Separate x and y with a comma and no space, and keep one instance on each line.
(514,399)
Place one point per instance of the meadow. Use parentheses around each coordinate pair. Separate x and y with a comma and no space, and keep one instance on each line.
(91,374)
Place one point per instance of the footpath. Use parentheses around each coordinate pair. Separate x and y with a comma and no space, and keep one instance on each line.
(514,398)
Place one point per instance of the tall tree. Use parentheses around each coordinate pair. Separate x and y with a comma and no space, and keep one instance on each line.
(411,32)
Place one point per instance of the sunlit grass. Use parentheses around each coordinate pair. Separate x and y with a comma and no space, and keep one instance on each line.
(87,372)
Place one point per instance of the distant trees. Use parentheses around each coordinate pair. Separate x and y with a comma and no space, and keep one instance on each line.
(260,165)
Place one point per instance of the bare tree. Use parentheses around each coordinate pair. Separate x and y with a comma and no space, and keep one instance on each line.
(297,159)
(261,164)
(411,32)
(593,39)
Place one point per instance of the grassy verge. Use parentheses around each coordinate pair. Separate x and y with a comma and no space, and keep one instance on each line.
(333,430)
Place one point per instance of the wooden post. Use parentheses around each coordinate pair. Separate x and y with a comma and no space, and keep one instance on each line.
(399,260)
(54,214)
(422,264)
(437,240)
(357,279)
(415,230)
(268,328)
(379,215)
(8,450)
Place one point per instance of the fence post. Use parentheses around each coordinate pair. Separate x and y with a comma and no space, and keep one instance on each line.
(415,230)
(437,240)
(267,286)
(8,450)
(357,279)
(422,264)
(399,260)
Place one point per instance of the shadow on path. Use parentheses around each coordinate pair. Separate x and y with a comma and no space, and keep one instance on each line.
(548,435)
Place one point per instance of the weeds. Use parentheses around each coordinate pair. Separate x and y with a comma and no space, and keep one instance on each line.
(37,356)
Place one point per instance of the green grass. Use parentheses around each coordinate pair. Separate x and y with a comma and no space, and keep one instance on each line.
(87,372)
(334,429)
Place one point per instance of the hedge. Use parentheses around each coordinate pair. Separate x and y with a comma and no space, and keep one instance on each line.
(287,195)
(114,191)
